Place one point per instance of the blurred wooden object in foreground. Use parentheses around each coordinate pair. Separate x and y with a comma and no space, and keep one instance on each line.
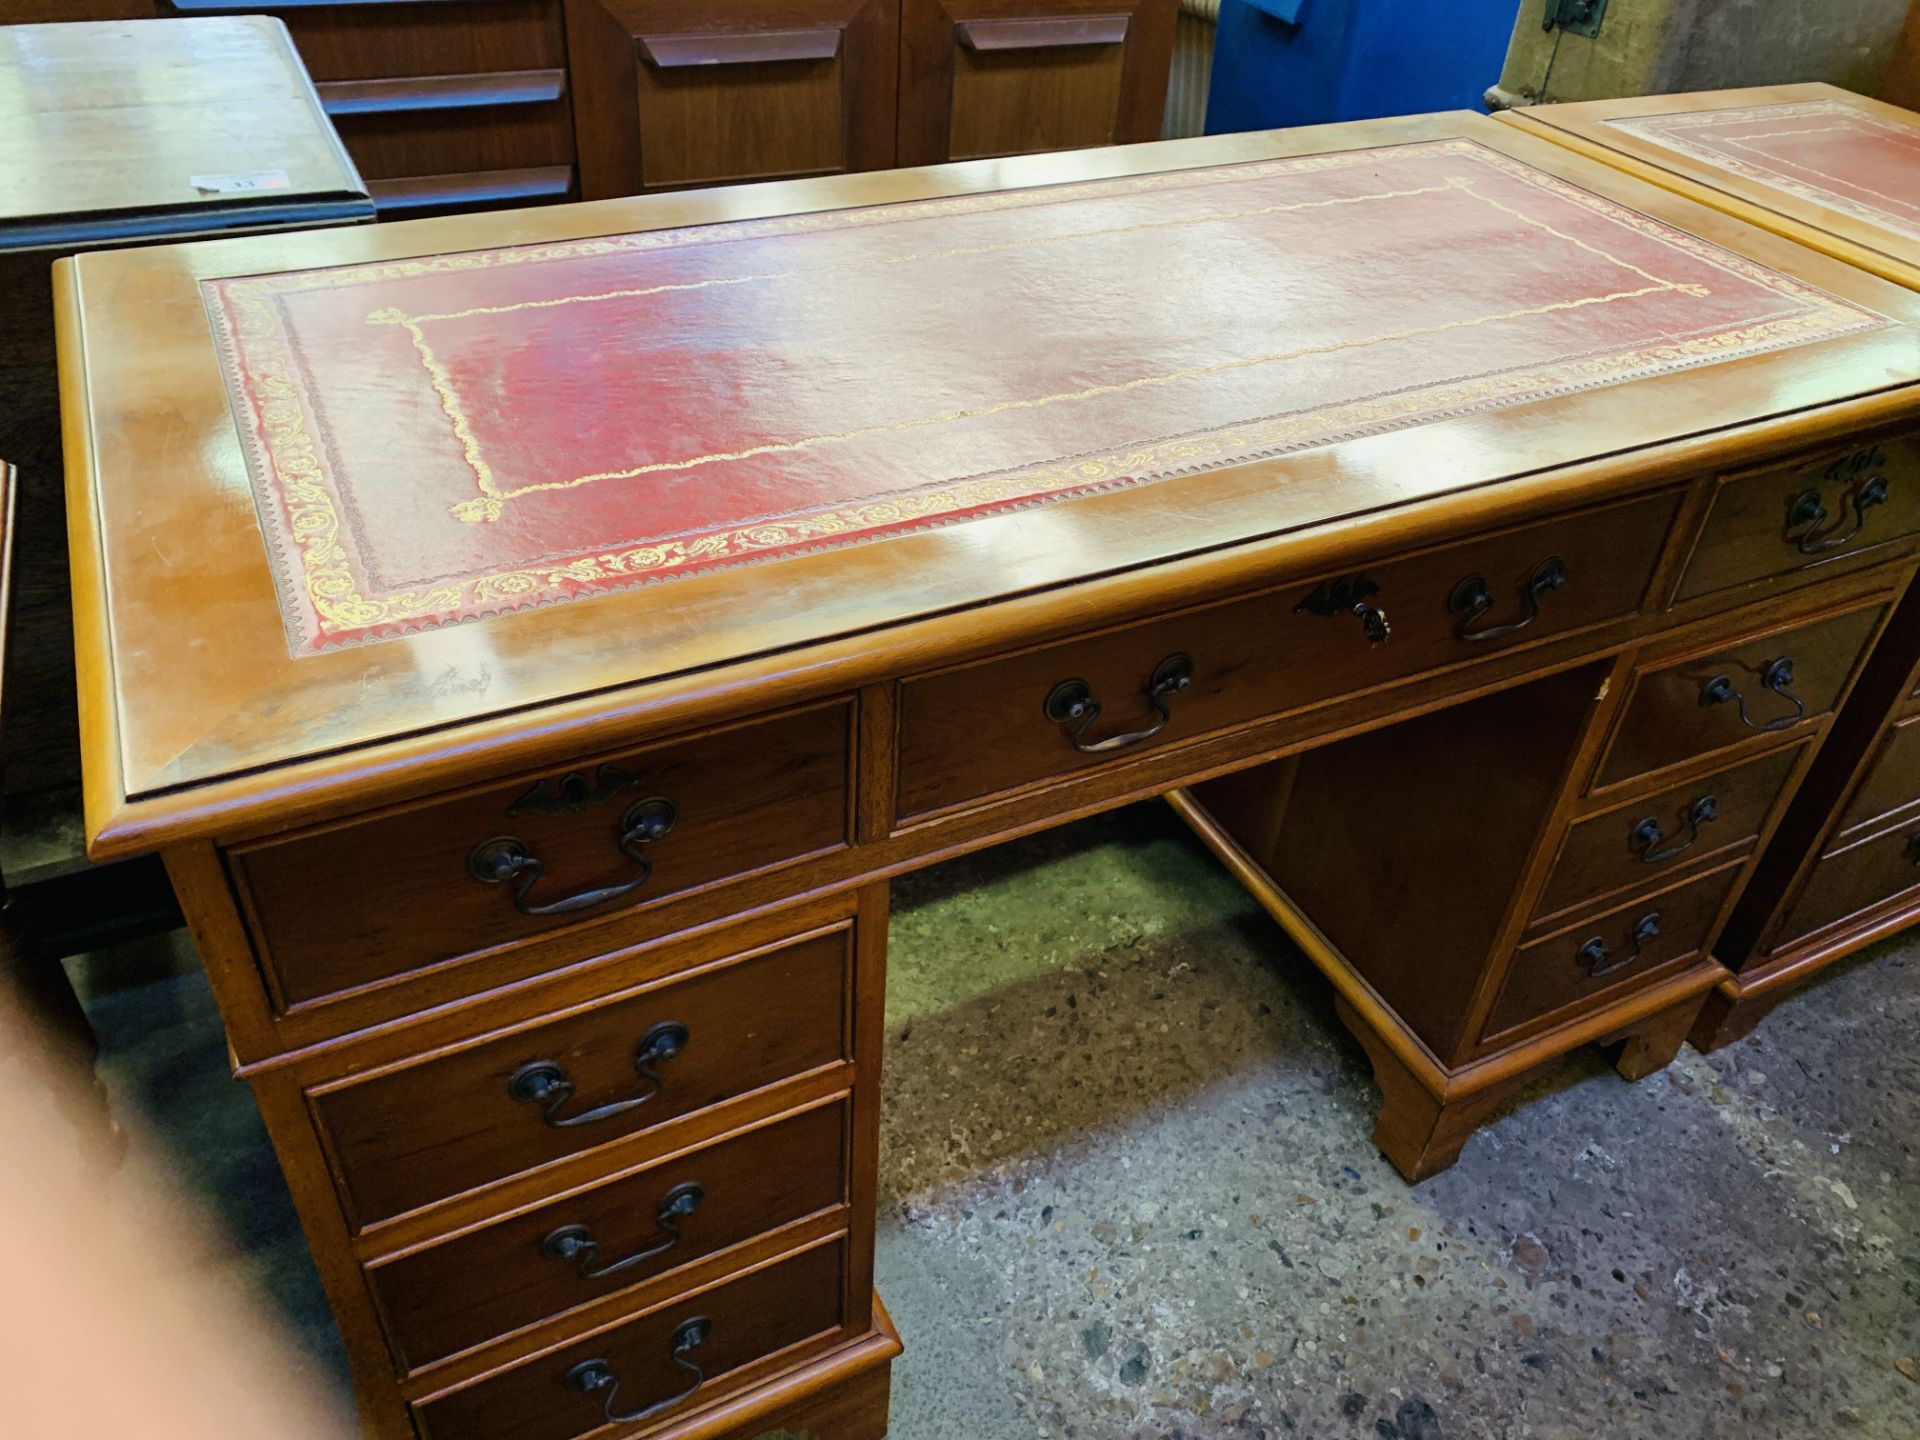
(118,1320)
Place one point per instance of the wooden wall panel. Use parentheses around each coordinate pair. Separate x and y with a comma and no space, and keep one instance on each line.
(668,95)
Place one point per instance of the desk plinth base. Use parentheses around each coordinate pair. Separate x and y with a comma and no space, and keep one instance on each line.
(1428,1109)
(1747,996)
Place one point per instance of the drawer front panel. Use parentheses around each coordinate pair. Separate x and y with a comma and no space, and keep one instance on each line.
(504,1276)
(1787,517)
(734,1324)
(990,727)
(1652,840)
(1849,881)
(1623,946)
(1773,682)
(359,903)
(367,42)
(457,140)
(1892,782)
(450,1124)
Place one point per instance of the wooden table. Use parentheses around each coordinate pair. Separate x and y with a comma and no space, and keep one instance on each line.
(1840,173)
(533,642)
(124,134)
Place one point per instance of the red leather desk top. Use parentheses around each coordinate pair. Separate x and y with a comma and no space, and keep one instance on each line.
(441,439)
(1827,151)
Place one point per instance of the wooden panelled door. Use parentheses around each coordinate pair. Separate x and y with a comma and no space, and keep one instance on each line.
(1009,77)
(668,95)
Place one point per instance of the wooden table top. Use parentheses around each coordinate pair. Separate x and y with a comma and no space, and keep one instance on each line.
(523,480)
(1817,163)
(123,130)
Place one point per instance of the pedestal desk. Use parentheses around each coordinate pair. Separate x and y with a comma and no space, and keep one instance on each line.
(533,641)
(1840,173)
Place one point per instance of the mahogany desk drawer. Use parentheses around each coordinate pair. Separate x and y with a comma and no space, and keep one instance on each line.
(1771,682)
(678,1355)
(505,1276)
(1616,949)
(453,1122)
(1893,781)
(1856,878)
(1654,839)
(1777,520)
(363,901)
(981,729)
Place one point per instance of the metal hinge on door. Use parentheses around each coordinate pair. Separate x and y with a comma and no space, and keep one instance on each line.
(1576,17)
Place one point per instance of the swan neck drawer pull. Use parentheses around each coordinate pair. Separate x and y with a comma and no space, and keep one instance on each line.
(1072,702)
(507,857)
(1807,529)
(574,1244)
(596,1377)
(545,1082)
(1645,837)
(1471,600)
(1777,677)
(1596,958)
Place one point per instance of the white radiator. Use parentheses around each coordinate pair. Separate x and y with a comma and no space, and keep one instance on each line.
(1192,68)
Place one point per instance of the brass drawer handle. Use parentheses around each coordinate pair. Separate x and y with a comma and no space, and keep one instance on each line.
(592,1376)
(545,1082)
(1645,837)
(1806,516)
(574,1244)
(507,857)
(1777,677)
(1349,595)
(1595,956)
(1471,599)
(1072,702)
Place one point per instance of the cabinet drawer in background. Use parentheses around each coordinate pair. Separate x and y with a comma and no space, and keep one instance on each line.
(507,1275)
(1658,837)
(1785,517)
(692,1349)
(1853,879)
(454,1122)
(1893,780)
(1780,680)
(1619,948)
(360,41)
(981,729)
(368,900)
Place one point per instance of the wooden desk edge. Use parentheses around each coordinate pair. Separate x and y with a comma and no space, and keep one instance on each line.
(120,825)
(1538,122)
(103,786)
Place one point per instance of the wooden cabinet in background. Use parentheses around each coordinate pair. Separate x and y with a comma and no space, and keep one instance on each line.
(1008,77)
(669,95)
(449,105)
(443,104)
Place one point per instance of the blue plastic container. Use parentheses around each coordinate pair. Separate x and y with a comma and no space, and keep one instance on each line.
(1307,62)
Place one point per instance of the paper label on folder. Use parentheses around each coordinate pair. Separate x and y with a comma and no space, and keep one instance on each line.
(241,183)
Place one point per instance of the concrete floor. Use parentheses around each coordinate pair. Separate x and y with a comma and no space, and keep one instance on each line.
(1127,1188)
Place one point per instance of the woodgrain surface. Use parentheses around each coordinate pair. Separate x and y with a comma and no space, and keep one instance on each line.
(748,1184)
(164,709)
(1612,128)
(206,97)
(430,1130)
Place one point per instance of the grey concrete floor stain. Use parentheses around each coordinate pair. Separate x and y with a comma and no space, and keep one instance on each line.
(1127,1189)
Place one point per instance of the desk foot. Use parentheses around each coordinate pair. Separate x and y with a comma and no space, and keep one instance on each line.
(1419,1132)
(1730,1015)
(1654,1041)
